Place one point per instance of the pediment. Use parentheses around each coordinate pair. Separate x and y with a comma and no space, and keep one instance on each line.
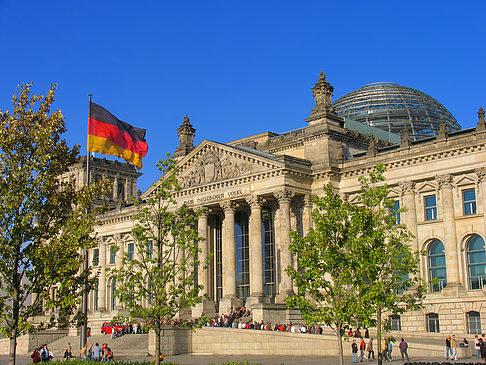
(465,180)
(425,187)
(211,162)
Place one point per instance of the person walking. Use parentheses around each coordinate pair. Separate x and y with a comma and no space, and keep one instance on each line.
(384,352)
(477,346)
(448,347)
(370,350)
(453,348)
(90,352)
(403,349)
(354,349)
(389,349)
(362,348)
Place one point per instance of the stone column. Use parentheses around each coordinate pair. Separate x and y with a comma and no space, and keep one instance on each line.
(202,274)
(284,198)
(451,249)
(307,215)
(229,254)
(102,278)
(256,248)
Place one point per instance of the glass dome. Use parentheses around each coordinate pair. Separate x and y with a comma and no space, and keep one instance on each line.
(391,107)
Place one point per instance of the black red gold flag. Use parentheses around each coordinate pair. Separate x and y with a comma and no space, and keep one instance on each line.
(110,136)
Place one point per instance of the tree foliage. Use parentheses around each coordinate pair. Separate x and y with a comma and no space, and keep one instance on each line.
(43,220)
(356,262)
(160,280)
(391,268)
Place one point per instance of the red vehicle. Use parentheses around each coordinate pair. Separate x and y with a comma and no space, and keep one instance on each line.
(107,328)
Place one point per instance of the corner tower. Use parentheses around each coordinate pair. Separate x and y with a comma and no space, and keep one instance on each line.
(186,133)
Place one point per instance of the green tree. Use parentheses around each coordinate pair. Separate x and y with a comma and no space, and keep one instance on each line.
(357,262)
(327,279)
(391,282)
(160,280)
(43,220)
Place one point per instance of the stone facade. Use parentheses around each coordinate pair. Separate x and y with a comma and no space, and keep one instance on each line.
(257,188)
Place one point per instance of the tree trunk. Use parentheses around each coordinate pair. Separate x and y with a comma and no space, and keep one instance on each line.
(340,343)
(15,323)
(13,348)
(158,334)
(378,335)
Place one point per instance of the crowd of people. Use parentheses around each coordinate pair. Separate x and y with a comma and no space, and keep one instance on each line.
(42,354)
(96,353)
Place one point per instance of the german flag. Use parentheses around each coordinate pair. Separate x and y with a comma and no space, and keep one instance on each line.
(110,136)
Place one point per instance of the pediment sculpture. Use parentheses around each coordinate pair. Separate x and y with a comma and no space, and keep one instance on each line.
(212,166)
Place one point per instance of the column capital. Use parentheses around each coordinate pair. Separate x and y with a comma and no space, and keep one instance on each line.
(407,187)
(481,173)
(254,201)
(284,196)
(444,181)
(202,212)
(228,206)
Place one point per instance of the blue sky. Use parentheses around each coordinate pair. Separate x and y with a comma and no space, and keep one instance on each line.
(236,68)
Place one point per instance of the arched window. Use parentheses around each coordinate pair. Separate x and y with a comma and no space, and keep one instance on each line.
(437,266)
(473,322)
(113,297)
(476,262)
(433,322)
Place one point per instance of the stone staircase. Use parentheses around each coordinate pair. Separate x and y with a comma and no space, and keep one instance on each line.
(127,345)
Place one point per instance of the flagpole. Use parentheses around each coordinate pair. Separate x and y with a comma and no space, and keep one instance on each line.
(83,338)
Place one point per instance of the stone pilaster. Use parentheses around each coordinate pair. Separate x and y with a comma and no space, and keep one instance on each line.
(256,248)
(119,258)
(409,217)
(284,197)
(481,173)
(102,278)
(451,250)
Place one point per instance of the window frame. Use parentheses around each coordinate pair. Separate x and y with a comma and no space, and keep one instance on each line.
(471,203)
(432,318)
(430,208)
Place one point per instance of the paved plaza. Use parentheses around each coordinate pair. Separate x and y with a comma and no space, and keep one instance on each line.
(266,360)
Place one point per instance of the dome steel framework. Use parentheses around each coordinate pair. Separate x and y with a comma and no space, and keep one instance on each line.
(392,107)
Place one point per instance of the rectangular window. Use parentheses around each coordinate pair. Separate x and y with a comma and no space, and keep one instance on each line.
(131,251)
(430,204)
(112,254)
(96,257)
(395,323)
(469,201)
(150,249)
(395,209)
(268,237)
(433,322)
(473,322)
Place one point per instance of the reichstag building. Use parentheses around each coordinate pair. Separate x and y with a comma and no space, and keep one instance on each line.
(257,188)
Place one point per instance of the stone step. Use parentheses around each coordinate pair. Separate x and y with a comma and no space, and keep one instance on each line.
(136,345)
